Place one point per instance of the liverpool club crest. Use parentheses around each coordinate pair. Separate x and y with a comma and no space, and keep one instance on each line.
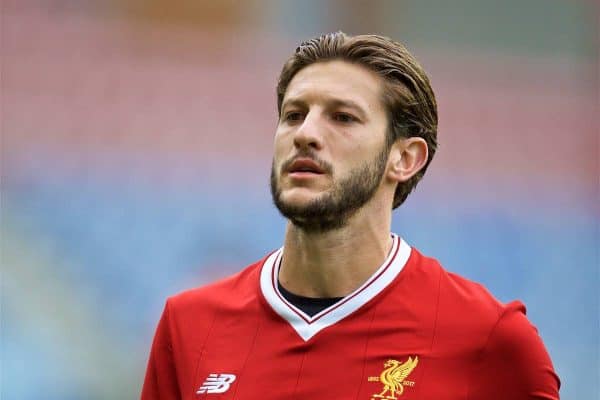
(394,377)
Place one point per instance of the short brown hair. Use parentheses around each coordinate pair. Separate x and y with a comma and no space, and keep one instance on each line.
(408,96)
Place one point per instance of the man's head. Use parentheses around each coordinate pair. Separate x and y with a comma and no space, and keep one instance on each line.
(344,102)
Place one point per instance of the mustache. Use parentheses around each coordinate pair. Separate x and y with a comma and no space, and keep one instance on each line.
(323,165)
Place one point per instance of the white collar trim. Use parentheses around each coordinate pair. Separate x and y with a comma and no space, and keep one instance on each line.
(307,326)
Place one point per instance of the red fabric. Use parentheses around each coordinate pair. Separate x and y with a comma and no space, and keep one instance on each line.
(468,345)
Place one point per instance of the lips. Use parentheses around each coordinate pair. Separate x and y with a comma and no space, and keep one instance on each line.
(304,165)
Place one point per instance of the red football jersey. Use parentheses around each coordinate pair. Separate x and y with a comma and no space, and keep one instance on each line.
(412,331)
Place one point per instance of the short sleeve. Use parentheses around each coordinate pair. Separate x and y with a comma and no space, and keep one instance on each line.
(514,363)
(161,378)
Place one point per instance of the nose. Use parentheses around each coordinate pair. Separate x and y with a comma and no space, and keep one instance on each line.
(309,133)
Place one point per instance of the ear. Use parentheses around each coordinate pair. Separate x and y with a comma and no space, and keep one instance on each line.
(407,157)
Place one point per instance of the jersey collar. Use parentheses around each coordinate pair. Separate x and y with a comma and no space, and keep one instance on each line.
(307,326)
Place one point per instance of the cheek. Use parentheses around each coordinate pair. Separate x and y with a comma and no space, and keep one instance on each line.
(281,144)
(356,157)
(278,155)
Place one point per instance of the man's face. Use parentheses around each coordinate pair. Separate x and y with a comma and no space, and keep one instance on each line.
(330,148)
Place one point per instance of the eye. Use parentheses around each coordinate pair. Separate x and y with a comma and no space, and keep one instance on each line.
(293,116)
(344,118)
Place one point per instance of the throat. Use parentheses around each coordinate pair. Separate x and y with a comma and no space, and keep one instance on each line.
(311,306)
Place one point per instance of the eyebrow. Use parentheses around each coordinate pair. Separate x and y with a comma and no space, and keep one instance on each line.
(333,103)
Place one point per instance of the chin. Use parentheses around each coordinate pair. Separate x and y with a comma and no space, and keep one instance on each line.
(299,198)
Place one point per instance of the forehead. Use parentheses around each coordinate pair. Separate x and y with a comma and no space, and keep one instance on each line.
(337,80)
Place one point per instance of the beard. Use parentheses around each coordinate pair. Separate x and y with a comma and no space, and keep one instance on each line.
(333,209)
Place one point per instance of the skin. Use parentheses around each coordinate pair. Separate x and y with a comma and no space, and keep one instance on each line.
(334,110)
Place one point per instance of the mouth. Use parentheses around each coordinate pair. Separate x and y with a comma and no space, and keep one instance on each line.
(304,167)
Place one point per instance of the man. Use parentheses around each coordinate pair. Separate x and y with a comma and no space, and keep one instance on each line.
(346,309)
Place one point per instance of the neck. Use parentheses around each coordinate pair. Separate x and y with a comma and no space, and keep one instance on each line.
(335,263)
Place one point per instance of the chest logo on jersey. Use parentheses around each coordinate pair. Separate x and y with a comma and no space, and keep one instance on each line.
(216,383)
(394,377)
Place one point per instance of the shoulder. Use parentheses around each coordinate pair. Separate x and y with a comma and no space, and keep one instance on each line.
(455,291)
(229,292)
(464,308)
(515,340)
(514,353)
(511,357)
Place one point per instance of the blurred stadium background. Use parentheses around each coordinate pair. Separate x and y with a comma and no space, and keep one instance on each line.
(136,148)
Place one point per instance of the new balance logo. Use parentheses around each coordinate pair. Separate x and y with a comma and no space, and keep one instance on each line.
(216,383)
